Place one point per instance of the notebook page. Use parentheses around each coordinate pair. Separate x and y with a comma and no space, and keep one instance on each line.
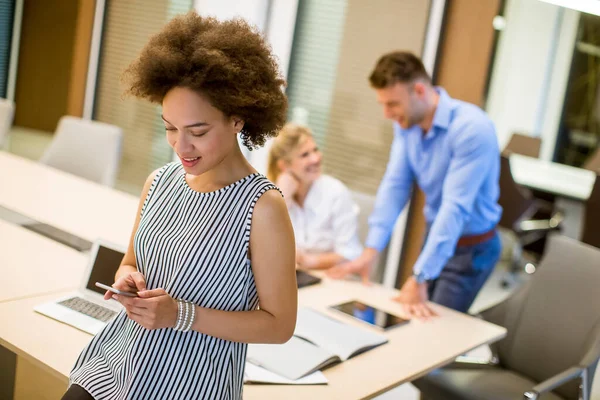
(337,337)
(293,359)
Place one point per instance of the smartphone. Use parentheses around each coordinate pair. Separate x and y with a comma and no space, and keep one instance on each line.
(117,291)
(370,315)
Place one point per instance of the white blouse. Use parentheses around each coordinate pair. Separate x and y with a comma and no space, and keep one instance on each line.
(328,221)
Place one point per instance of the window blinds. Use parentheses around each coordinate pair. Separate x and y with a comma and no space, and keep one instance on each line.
(7,10)
(128,24)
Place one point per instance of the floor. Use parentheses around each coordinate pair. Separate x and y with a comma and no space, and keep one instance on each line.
(31,144)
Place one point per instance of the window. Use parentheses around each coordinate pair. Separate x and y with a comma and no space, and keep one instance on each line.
(7,9)
(579,133)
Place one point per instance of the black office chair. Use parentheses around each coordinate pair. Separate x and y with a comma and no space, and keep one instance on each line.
(553,342)
(591,223)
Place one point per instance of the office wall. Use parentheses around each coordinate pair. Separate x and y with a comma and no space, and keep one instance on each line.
(45,62)
(531,70)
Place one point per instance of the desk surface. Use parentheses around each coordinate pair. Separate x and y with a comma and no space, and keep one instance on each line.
(36,265)
(559,179)
(65,201)
(413,350)
(32,265)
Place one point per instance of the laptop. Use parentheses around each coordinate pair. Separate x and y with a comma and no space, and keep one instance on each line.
(86,308)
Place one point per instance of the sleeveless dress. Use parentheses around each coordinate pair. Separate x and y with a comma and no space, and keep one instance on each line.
(195,246)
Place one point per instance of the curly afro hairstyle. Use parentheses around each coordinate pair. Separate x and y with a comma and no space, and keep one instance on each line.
(229,62)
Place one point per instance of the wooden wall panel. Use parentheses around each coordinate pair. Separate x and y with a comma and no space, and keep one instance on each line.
(466,48)
(45,57)
(81,56)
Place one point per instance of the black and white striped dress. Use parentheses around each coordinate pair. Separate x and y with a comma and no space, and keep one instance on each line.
(195,246)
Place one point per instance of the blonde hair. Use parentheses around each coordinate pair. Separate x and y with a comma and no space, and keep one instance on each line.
(288,139)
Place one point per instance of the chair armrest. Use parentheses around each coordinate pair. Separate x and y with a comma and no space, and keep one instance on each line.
(553,382)
(542,224)
(527,224)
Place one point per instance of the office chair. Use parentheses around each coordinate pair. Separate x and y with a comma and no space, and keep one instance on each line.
(590,232)
(553,342)
(7,112)
(523,144)
(366,204)
(519,208)
(89,149)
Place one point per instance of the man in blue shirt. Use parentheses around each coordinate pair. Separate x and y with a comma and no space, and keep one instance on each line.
(450,149)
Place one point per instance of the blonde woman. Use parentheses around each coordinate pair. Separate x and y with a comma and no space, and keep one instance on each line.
(321,208)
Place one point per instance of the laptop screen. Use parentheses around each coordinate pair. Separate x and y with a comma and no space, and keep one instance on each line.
(105,266)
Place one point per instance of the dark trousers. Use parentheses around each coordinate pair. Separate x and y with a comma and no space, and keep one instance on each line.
(464,274)
(76,392)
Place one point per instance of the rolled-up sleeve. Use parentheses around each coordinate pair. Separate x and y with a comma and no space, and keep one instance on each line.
(474,153)
(392,195)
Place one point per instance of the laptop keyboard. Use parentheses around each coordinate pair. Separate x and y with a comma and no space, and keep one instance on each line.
(88,308)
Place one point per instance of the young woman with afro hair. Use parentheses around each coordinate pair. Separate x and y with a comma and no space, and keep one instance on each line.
(211,254)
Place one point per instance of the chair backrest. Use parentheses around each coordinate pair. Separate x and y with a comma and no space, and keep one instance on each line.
(590,233)
(7,112)
(366,204)
(593,163)
(553,322)
(523,144)
(89,149)
(514,199)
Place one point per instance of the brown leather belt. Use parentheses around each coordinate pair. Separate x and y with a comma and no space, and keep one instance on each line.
(476,239)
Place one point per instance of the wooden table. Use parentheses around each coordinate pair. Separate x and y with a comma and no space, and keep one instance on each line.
(40,270)
(559,179)
(65,201)
(413,350)
(32,265)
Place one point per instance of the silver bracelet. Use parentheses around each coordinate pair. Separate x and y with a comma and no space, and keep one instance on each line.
(180,311)
(186,314)
(192,317)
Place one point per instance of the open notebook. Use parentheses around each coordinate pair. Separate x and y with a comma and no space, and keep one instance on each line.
(318,341)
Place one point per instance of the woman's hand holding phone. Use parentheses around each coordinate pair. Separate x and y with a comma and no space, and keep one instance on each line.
(153,309)
(131,282)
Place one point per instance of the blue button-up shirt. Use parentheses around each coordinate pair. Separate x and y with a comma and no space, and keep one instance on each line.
(457,165)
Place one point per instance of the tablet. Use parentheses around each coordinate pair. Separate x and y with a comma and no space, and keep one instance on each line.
(370,315)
